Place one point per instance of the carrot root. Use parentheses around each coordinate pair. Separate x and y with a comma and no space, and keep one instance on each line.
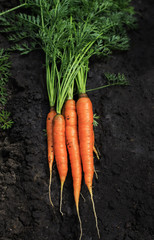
(60,151)
(96,152)
(49,126)
(50,186)
(74,152)
(93,204)
(86,139)
(83,197)
(95,173)
(77,209)
(61,197)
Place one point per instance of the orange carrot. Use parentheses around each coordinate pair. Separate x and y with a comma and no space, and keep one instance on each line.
(85,129)
(74,152)
(49,126)
(60,150)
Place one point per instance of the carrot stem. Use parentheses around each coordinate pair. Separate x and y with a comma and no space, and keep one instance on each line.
(13,9)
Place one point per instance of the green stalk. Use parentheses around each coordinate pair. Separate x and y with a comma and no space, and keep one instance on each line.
(50,81)
(70,91)
(13,9)
(42,18)
(81,78)
(69,76)
(105,86)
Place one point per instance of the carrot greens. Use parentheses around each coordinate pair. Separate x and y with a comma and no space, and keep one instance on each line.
(5,64)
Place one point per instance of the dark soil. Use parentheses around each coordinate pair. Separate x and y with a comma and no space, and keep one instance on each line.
(123,192)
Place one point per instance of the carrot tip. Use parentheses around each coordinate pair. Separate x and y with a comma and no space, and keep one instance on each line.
(50,186)
(92,200)
(77,209)
(61,197)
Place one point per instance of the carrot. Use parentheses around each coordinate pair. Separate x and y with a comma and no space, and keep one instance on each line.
(60,150)
(74,152)
(85,129)
(49,126)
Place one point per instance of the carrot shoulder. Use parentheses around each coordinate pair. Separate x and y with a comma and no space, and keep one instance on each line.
(60,149)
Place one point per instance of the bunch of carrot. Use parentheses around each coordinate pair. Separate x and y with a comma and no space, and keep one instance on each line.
(69,32)
(73,131)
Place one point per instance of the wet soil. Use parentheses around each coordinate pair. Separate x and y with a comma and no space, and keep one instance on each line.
(123,191)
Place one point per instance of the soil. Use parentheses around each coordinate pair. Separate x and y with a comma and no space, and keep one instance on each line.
(123,191)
